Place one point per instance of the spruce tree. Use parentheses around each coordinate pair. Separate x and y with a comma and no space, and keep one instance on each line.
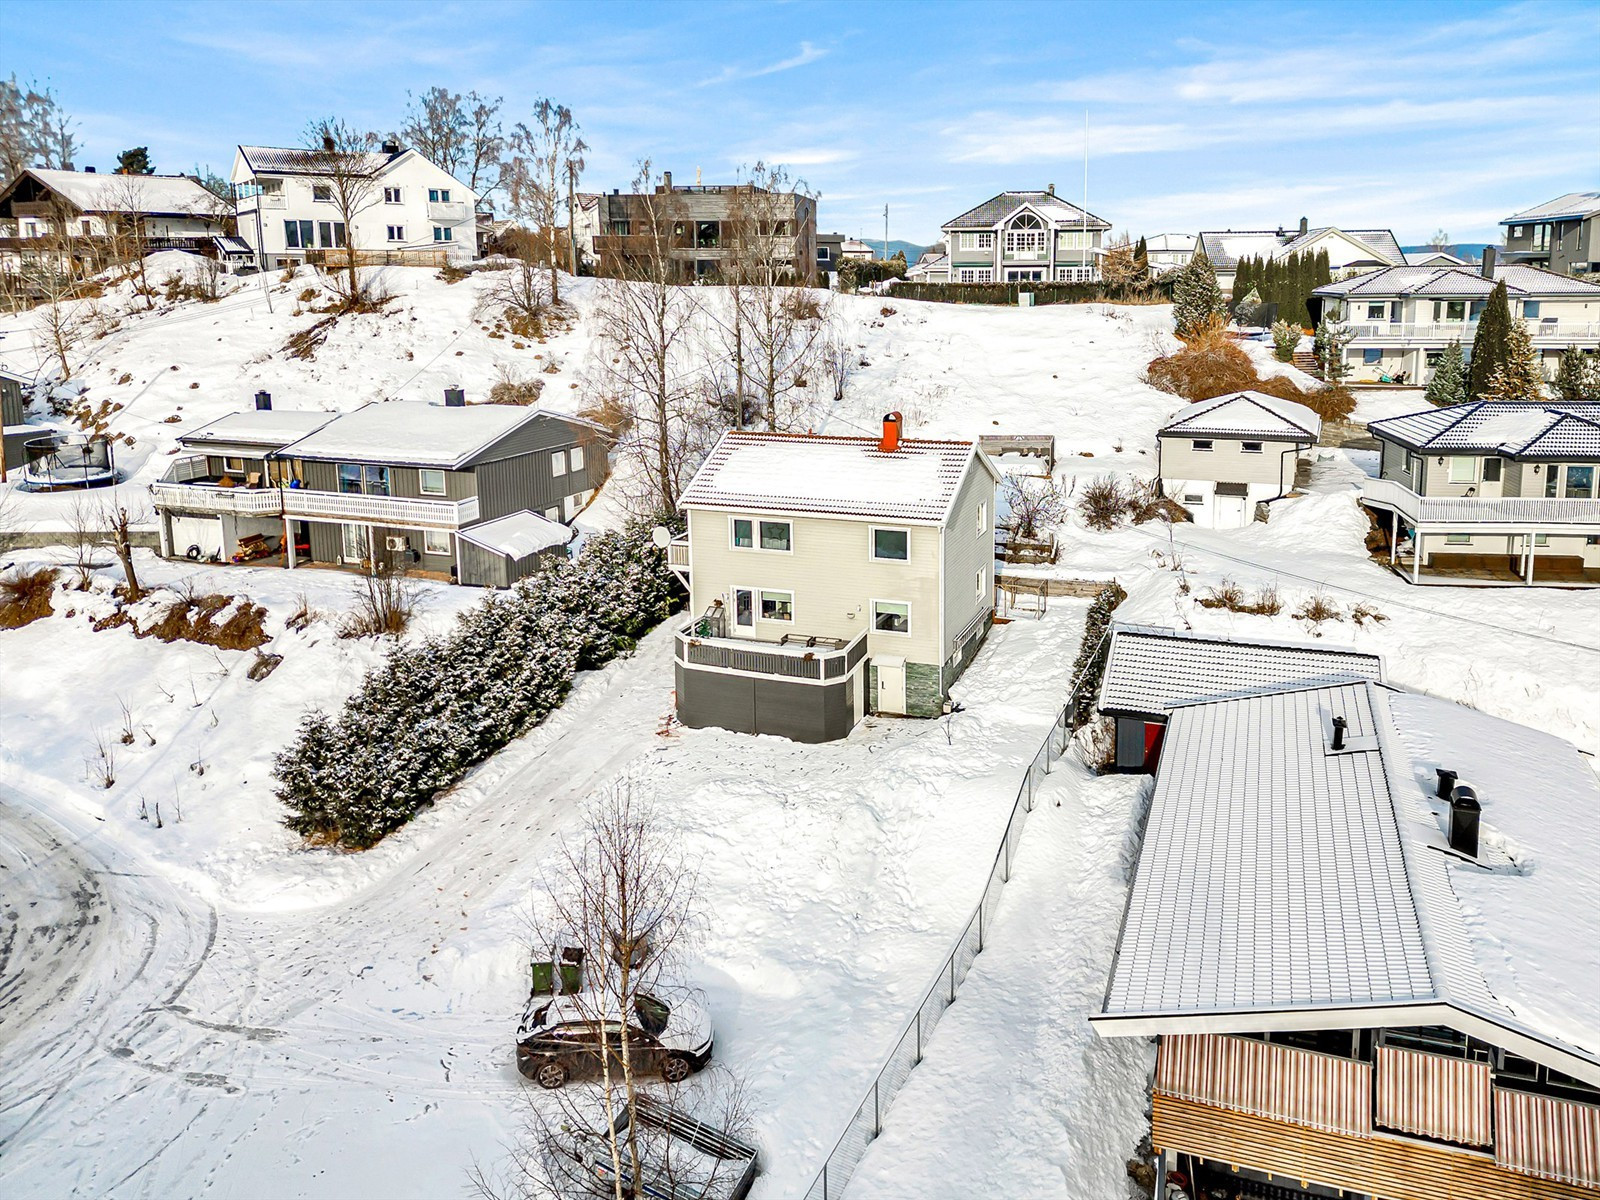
(1489,344)
(1141,261)
(1578,376)
(1449,383)
(1519,377)
(1196,298)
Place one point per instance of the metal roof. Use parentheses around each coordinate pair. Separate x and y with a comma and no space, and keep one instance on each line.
(1247,414)
(1149,669)
(1513,430)
(997,209)
(1572,206)
(838,476)
(298,160)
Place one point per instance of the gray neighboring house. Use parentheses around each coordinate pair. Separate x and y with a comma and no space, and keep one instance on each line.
(13,408)
(933,266)
(830,252)
(1490,493)
(1350,251)
(1562,235)
(405,479)
(1024,236)
(1149,669)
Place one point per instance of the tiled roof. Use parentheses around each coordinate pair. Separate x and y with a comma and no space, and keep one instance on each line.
(1573,204)
(1226,247)
(1149,669)
(1515,430)
(843,476)
(995,210)
(1244,414)
(297,160)
(1463,282)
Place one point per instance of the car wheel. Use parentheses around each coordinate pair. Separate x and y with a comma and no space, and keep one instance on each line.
(676,1069)
(550,1076)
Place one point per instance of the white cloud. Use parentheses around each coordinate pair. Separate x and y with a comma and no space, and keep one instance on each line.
(807,54)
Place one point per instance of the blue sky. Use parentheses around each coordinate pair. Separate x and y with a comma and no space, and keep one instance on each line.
(1408,115)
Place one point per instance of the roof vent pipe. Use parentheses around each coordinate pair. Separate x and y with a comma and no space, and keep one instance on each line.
(1305,227)
(1464,813)
(1339,726)
(88,170)
(263,401)
(455,398)
(1447,784)
(1488,263)
(890,442)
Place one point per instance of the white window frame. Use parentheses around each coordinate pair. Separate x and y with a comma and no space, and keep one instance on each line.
(393,195)
(422,481)
(1026,241)
(1470,467)
(558,463)
(872,542)
(442,233)
(432,539)
(983,518)
(438,195)
(1458,539)
(733,533)
(761,522)
(575,457)
(230,463)
(761,599)
(983,584)
(397,233)
(1202,445)
(1378,311)
(326,189)
(872,610)
(1250,447)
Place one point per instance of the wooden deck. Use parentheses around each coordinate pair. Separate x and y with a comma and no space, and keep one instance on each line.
(1392,1167)
(1495,570)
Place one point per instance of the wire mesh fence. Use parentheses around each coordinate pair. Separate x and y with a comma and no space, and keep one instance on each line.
(867,1121)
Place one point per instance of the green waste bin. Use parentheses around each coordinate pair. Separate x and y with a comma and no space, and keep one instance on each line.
(544,978)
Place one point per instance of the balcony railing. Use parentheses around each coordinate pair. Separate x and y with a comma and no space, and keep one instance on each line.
(1459,513)
(379,510)
(187,486)
(678,557)
(450,212)
(818,660)
(1464,331)
(1042,254)
(263,200)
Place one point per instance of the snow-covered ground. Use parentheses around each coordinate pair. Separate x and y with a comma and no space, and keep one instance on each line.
(209,1007)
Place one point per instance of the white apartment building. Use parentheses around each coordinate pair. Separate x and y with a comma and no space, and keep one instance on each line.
(414,211)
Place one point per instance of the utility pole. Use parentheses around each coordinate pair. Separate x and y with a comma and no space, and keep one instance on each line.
(885,233)
(1084,260)
(261,266)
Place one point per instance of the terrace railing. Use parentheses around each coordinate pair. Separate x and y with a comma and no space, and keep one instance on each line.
(1459,512)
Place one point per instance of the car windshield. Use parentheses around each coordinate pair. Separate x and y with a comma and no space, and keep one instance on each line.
(652,1014)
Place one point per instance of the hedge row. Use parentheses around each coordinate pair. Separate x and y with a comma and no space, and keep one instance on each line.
(437,708)
(1043,293)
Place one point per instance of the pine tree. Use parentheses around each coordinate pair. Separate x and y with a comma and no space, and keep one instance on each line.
(135,162)
(1489,344)
(1244,283)
(1578,376)
(1449,383)
(1141,261)
(1328,346)
(1519,377)
(1196,298)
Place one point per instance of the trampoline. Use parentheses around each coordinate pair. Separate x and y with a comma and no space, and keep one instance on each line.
(60,460)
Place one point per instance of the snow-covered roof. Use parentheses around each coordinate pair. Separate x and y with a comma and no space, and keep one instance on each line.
(273,428)
(1148,669)
(1279,876)
(1433,258)
(997,209)
(1513,430)
(1170,242)
(1227,246)
(1246,414)
(931,260)
(156,195)
(518,534)
(836,476)
(1571,206)
(414,432)
(1465,282)
(297,160)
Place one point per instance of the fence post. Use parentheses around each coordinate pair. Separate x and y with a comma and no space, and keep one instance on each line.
(919,1033)
(981,899)
(952,979)
(877,1119)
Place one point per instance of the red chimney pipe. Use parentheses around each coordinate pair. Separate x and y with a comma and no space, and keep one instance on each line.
(890,441)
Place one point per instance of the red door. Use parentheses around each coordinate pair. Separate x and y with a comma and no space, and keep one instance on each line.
(1152,745)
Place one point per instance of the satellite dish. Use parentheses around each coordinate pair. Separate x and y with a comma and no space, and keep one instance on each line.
(661,536)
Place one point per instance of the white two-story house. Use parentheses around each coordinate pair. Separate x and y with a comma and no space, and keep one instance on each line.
(1024,236)
(1350,251)
(1221,457)
(411,210)
(1402,318)
(1491,493)
(830,577)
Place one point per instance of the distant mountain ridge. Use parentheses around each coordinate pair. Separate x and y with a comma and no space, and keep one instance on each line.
(1472,251)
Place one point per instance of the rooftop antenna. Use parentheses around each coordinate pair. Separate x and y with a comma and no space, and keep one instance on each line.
(1084,260)
(885,233)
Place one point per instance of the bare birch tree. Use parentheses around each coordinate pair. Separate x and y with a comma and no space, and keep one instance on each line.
(459,134)
(127,232)
(62,320)
(543,156)
(114,529)
(34,129)
(345,162)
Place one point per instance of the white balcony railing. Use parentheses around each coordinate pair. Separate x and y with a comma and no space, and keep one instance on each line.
(186,487)
(1461,513)
(379,510)
(1042,254)
(823,660)
(678,553)
(1464,331)
(451,213)
(263,200)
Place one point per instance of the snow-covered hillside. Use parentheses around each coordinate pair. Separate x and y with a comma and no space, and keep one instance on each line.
(208,1007)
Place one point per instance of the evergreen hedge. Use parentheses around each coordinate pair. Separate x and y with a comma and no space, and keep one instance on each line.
(856,273)
(437,708)
(1090,666)
(1043,293)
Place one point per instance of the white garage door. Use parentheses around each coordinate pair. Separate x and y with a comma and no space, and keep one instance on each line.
(202,532)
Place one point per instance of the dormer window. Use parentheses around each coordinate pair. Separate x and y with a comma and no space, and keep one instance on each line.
(1025,235)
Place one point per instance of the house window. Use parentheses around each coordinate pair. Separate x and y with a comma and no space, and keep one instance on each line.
(558,463)
(1202,445)
(890,616)
(1580,482)
(88,229)
(1024,241)
(435,541)
(360,479)
(575,456)
(891,544)
(1372,356)
(236,465)
(1541,539)
(1251,447)
(397,233)
(1077,239)
(431,482)
(983,240)
(438,195)
(322,192)
(1491,470)
(822,254)
(982,584)
(777,606)
(744,533)
(443,233)
(1530,308)
(299,235)
(1433,357)
(391,195)
(983,518)
(1377,312)
(1458,539)
(1552,476)
(776,535)
(331,233)
(1463,469)
(1455,310)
